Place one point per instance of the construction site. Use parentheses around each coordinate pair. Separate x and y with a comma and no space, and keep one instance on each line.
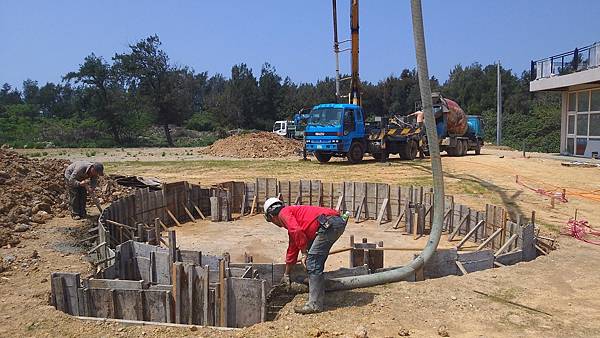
(439,232)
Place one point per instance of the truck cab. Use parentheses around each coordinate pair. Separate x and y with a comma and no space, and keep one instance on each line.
(336,130)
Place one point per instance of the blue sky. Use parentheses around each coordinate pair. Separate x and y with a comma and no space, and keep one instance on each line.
(43,40)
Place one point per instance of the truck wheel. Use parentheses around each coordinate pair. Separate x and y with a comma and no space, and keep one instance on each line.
(478,148)
(409,150)
(414,149)
(355,154)
(322,157)
(465,147)
(458,149)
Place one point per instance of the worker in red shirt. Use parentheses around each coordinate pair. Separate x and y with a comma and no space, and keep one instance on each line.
(312,232)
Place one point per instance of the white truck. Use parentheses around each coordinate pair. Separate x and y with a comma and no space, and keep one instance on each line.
(283,128)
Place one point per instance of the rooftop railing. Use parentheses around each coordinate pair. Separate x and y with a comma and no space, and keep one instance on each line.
(566,63)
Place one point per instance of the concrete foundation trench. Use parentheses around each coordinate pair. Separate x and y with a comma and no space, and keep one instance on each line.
(142,275)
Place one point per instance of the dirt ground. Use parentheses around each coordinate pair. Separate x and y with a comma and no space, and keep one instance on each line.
(267,243)
(561,287)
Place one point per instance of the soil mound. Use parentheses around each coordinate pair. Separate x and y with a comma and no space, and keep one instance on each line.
(255,145)
(33,191)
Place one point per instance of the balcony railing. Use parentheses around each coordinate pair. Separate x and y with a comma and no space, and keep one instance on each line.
(566,63)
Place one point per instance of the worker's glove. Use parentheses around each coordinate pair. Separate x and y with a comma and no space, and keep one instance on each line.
(285,280)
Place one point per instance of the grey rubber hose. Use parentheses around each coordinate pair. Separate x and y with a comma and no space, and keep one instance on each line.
(402,273)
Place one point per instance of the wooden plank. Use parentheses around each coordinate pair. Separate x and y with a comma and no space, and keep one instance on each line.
(253,208)
(125,322)
(540,249)
(339,203)
(506,245)
(101,303)
(128,304)
(178,291)
(121,225)
(94,283)
(384,210)
(191,275)
(441,264)
(246,301)
(59,294)
(172,246)
(461,268)
(205,295)
(187,211)
(222,294)
(489,239)
(359,210)
(469,234)
(476,260)
(173,217)
(155,306)
(509,258)
(457,229)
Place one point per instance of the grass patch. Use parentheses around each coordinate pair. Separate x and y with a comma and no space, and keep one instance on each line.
(472,188)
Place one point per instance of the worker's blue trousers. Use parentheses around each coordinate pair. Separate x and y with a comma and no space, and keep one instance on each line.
(319,249)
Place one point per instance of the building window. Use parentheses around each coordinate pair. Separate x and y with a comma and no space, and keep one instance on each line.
(572,102)
(570,145)
(595,104)
(582,124)
(583,121)
(581,145)
(571,124)
(595,124)
(583,101)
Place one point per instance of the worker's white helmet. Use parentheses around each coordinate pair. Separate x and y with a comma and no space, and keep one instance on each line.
(270,202)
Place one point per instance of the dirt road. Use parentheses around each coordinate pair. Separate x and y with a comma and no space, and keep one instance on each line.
(562,288)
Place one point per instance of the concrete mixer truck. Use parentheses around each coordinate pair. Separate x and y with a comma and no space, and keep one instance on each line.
(458,132)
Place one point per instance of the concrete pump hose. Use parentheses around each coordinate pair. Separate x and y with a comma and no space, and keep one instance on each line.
(402,273)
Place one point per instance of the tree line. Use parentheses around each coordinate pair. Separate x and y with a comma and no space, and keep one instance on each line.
(113,102)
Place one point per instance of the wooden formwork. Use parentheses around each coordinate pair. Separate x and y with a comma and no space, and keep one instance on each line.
(175,280)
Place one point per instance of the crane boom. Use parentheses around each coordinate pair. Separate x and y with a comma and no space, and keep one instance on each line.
(354,97)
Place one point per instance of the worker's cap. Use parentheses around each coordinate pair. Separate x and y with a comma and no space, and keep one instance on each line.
(99,167)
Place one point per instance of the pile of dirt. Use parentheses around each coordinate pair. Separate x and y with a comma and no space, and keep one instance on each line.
(33,191)
(255,145)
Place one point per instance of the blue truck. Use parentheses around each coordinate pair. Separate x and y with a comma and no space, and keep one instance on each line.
(341,130)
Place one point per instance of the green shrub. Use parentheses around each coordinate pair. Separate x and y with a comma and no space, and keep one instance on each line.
(201,121)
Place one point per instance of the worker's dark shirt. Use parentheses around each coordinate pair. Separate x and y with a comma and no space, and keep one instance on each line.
(302,225)
(77,172)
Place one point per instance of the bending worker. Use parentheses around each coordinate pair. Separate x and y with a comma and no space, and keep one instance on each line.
(312,231)
(81,177)
(420,116)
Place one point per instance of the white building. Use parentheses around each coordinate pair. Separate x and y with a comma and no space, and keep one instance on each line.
(576,74)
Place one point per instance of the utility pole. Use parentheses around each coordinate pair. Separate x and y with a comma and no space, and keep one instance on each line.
(336,51)
(499,108)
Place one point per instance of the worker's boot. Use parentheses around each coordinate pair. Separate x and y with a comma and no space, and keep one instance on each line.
(316,295)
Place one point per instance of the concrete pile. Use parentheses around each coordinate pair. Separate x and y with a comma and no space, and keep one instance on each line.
(255,145)
(33,191)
